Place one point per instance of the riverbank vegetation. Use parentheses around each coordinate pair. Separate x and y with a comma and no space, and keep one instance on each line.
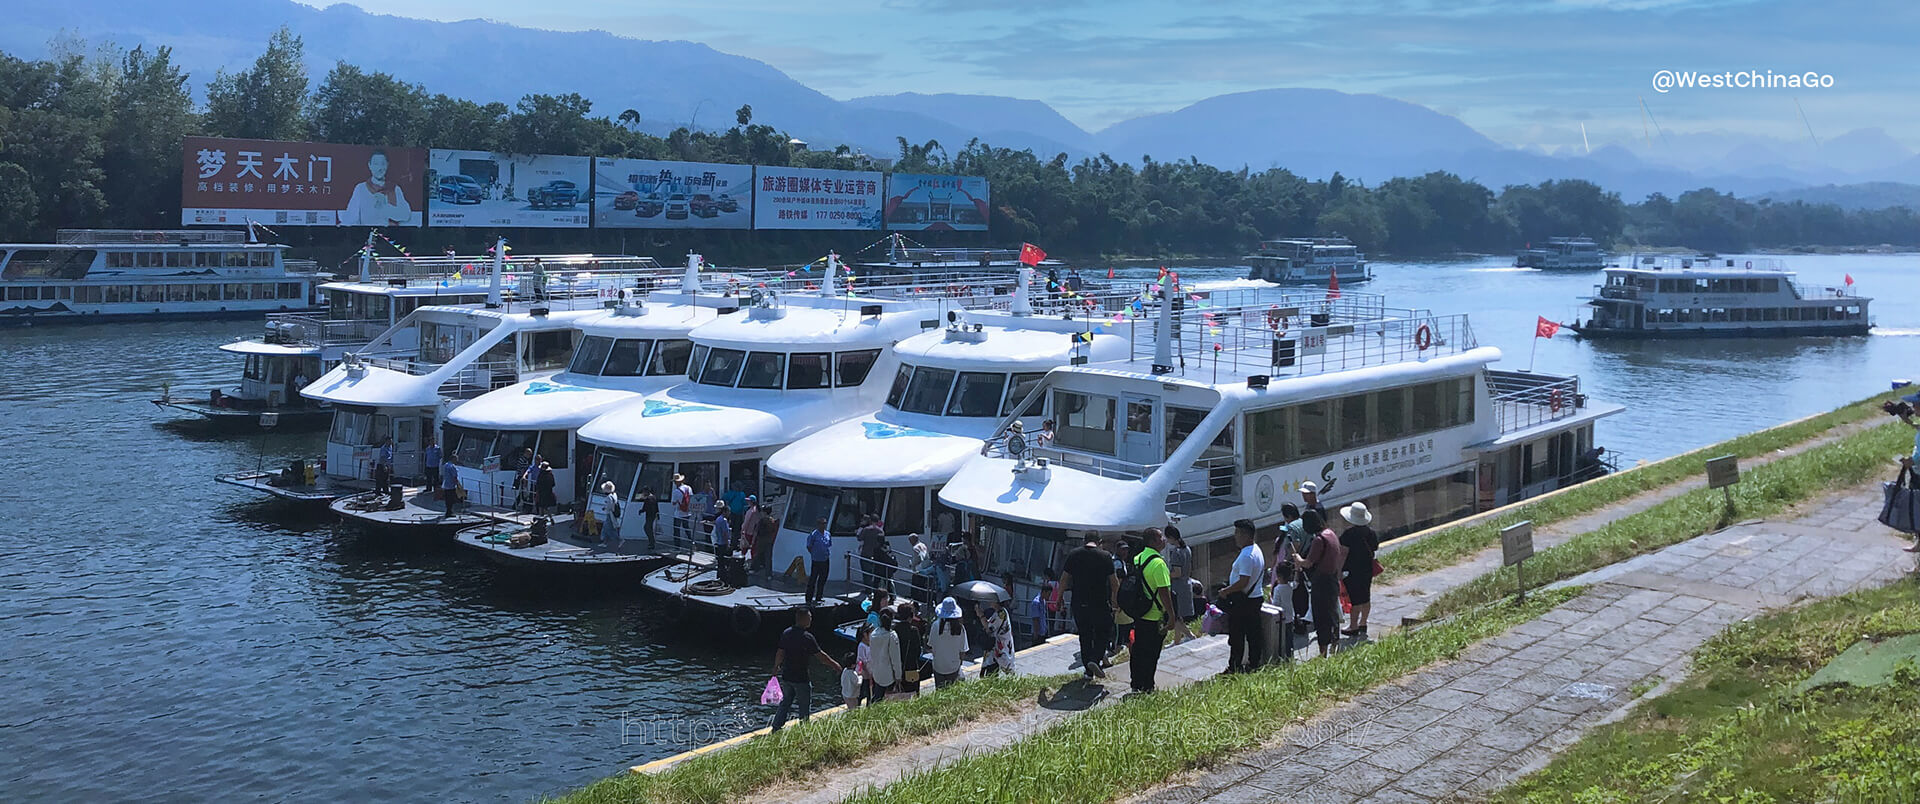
(1142,741)
(1454,544)
(1738,729)
(93,140)
(804,749)
(1763,490)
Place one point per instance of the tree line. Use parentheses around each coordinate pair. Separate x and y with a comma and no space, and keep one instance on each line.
(90,140)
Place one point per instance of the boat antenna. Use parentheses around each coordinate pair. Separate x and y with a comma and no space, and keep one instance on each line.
(499,265)
(366,257)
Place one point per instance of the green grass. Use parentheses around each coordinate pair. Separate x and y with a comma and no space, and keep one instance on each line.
(1451,546)
(1736,731)
(1763,490)
(1141,741)
(800,750)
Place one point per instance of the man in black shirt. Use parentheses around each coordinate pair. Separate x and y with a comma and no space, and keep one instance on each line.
(1096,595)
(790,660)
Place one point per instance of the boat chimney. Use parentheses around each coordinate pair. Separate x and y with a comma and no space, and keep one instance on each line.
(690,281)
(1163,329)
(499,265)
(1022,305)
(366,258)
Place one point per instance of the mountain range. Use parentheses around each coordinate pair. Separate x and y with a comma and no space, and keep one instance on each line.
(1313,132)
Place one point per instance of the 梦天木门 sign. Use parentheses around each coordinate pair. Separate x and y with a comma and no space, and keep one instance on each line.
(918,202)
(492,188)
(808,198)
(656,194)
(229,182)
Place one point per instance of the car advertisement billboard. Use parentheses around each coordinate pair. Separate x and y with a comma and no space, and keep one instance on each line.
(228,182)
(922,203)
(492,188)
(808,198)
(655,194)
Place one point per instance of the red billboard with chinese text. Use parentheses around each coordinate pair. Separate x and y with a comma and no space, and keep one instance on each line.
(228,182)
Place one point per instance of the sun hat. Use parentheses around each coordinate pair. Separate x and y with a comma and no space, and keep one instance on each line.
(677,477)
(1309,487)
(606,487)
(1357,514)
(947,610)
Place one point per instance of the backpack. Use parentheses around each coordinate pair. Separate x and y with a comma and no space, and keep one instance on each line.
(1136,598)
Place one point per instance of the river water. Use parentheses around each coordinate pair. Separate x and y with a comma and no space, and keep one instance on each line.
(163,636)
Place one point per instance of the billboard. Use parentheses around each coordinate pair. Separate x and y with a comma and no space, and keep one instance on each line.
(922,203)
(492,188)
(233,181)
(654,194)
(807,198)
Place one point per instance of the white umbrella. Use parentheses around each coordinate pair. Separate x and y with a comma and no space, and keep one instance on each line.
(982,591)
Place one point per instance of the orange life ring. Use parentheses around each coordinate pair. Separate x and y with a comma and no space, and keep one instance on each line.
(1423,337)
(1555,399)
(1273,318)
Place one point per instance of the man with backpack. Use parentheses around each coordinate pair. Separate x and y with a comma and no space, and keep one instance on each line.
(682,502)
(1146,596)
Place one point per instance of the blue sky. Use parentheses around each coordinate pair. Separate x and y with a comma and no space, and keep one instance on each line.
(1520,71)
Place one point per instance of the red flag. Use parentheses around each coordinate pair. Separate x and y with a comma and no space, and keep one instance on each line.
(1333,284)
(1031,254)
(1849,279)
(1545,328)
(1110,273)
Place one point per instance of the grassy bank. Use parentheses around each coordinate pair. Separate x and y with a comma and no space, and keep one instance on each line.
(1142,741)
(1764,490)
(802,749)
(1737,731)
(1451,546)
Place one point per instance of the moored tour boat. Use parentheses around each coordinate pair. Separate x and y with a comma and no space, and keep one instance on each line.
(121,274)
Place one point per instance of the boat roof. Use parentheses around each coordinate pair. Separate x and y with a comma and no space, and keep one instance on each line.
(702,418)
(661,315)
(894,449)
(825,322)
(257,347)
(395,381)
(1006,343)
(562,402)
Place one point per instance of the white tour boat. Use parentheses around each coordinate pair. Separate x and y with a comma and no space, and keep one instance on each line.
(1225,420)
(1308,261)
(1713,297)
(122,274)
(1562,253)
(903,257)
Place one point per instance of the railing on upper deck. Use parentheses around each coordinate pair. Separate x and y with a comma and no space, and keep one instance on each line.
(1281,340)
(1522,399)
(308,328)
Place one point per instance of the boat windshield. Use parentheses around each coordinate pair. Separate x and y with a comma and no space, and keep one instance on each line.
(808,505)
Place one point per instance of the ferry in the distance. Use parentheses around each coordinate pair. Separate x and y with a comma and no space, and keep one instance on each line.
(1226,420)
(1562,253)
(121,274)
(1714,297)
(1308,260)
(906,257)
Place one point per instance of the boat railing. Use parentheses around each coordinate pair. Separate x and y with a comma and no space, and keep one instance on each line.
(1207,484)
(478,378)
(1301,340)
(1619,292)
(149,237)
(1522,400)
(308,328)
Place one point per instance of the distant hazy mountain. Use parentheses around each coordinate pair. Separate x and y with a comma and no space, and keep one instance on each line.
(1313,132)
(1871,195)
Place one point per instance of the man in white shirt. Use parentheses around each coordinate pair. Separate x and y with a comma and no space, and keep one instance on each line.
(682,510)
(376,201)
(1246,640)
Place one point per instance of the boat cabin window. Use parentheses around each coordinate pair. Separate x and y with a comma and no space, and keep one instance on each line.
(1083,422)
(743,475)
(853,503)
(723,367)
(698,362)
(806,505)
(808,370)
(763,370)
(670,357)
(906,510)
(1283,435)
(1017,390)
(619,469)
(591,355)
(927,392)
(703,477)
(851,367)
(516,449)
(546,350)
(628,357)
(657,477)
(356,428)
(1181,422)
(977,394)
(898,393)
(556,447)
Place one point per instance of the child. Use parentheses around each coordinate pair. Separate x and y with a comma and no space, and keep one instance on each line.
(861,654)
(849,682)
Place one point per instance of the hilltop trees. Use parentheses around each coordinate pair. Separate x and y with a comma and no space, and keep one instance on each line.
(95,141)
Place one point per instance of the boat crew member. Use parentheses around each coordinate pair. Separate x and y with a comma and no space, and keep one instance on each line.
(383,466)
(431,457)
(449,484)
(722,531)
(819,551)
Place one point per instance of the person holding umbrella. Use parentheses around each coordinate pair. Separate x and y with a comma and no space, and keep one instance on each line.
(999,658)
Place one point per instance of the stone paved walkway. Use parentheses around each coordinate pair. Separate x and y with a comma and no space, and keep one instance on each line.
(1465,728)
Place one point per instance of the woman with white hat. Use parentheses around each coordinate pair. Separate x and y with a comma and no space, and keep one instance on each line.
(1362,544)
(610,522)
(948,642)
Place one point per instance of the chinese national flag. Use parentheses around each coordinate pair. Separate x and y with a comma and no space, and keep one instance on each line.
(1110,274)
(1031,254)
(1333,284)
(1545,328)
(1849,279)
